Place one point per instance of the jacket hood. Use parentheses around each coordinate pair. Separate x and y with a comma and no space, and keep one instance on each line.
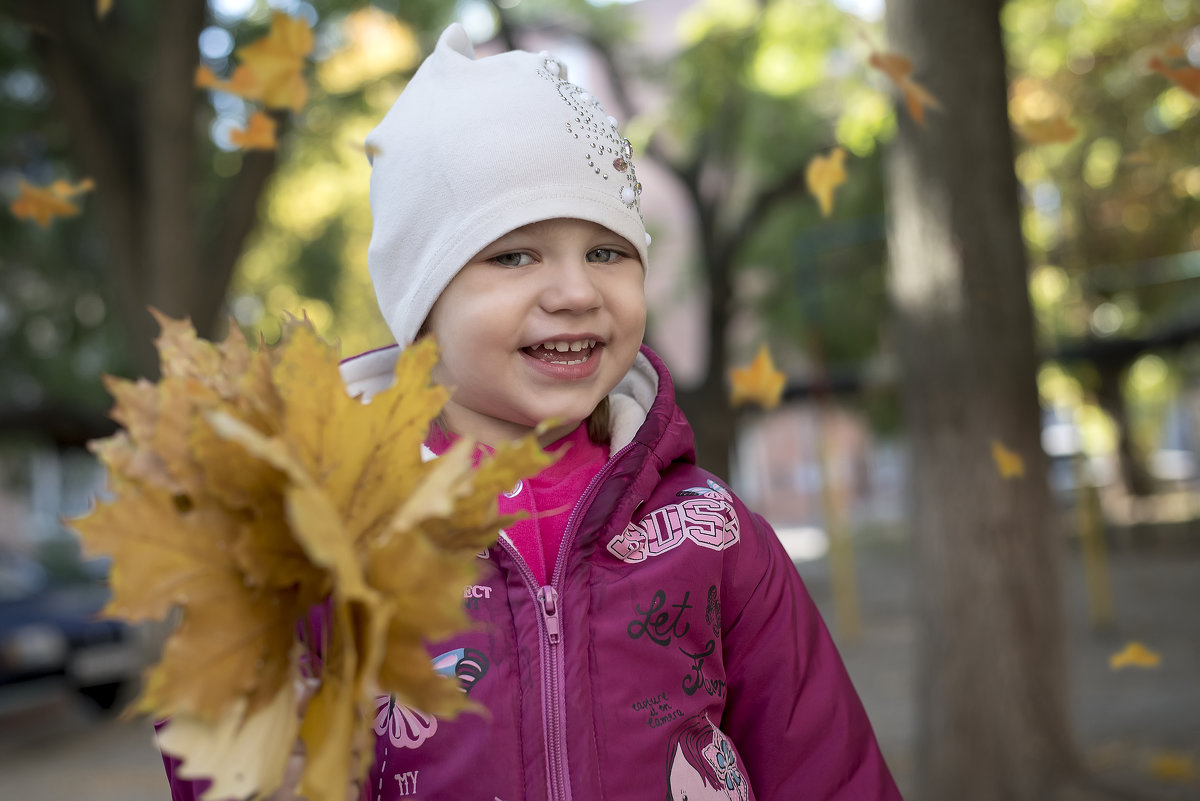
(641,408)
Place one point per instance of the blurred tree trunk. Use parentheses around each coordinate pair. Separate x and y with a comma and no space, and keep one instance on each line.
(992,686)
(138,139)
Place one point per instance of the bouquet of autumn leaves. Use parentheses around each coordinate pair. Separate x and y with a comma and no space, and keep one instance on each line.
(248,488)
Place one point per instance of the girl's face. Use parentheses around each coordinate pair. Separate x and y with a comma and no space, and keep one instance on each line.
(540,324)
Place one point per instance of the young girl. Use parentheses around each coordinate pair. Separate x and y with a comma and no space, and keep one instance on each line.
(640,634)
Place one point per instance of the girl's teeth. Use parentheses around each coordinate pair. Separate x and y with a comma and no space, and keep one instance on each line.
(562,346)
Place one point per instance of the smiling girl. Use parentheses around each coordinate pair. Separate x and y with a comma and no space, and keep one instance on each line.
(637,593)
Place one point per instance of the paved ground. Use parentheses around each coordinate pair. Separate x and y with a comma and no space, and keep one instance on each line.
(54,749)
(1124,720)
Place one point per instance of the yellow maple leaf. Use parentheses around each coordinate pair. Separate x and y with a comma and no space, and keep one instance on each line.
(103,7)
(242,752)
(899,70)
(43,203)
(1135,654)
(270,68)
(1055,130)
(277,60)
(824,175)
(248,487)
(243,82)
(759,383)
(259,133)
(1170,767)
(1009,464)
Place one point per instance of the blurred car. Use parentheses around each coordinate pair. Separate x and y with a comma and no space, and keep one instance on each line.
(51,632)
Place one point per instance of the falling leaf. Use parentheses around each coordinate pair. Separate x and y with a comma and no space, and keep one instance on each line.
(1185,76)
(259,133)
(270,68)
(1055,130)
(1134,655)
(759,383)
(824,175)
(103,7)
(1008,463)
(249,487)
(899,70)
(43,203)
(242,83)
(1172,768)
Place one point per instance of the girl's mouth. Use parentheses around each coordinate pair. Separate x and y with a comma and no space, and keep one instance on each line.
(564,352)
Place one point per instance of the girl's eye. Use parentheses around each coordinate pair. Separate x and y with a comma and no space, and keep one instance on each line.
(512,259)
(604,255)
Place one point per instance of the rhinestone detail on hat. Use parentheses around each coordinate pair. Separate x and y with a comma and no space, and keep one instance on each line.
(590,123)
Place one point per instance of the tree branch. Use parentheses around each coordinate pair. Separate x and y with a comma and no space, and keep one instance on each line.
(238,217)
(169,136)
(42,17)
(790,184)
(93,140)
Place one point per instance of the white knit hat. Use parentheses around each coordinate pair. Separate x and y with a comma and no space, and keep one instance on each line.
(473,149)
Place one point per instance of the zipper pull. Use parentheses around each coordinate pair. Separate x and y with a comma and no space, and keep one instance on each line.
(548,596)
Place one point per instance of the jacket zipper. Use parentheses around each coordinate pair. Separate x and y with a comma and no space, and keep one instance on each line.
(551,625)
(552,675)
(551,628)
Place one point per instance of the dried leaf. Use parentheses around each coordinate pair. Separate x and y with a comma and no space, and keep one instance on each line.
(271,67)
(1055,130)
(243,82)
(1008,463)
(243,753)
(899,69)
(43,203)
(1178,72)
(1134,655)
(248,487)
(824,175)
(259,133)
(277,59)
(759,383)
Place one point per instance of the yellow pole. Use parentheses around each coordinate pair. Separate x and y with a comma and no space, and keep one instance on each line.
(1093,548)
(846,608)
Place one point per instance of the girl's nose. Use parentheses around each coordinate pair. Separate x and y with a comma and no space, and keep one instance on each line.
(570,286)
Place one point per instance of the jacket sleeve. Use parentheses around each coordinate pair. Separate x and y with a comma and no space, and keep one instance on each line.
(791,710)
